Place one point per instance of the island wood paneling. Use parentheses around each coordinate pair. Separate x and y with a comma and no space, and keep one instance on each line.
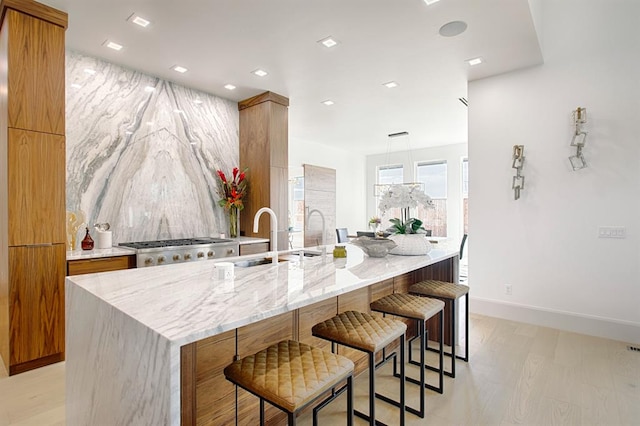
(263,135)
(35,96)
(103,264)
(37,304)
(215,395)
(357,300)
(37,188)
(311,315)
(251,339)
(4,208)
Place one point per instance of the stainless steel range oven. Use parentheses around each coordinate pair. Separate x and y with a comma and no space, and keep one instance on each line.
(167,252)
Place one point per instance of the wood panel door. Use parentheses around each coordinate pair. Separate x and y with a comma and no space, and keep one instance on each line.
(36,188)
(320,195)
(36,85)
(36,300)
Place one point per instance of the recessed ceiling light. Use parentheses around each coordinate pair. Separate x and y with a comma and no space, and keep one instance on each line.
(328,41)
(149,89)
(259,72)
(178,111)
(75,85)
(391,84)
(180,69)
(328,102)
(112,45)
(197,102)
(229,86)
(430,2)
(475,61)
(128,132)
(89,71)
(453,28)
(149,123)
(138,20)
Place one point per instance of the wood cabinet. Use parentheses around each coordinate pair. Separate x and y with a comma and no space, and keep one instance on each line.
(102,264)
(264,150)
(253,248)
(37,188)
(37,306)
(32,187)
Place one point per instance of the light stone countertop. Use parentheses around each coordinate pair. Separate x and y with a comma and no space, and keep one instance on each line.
(242,240)
(185,303)
(98,253)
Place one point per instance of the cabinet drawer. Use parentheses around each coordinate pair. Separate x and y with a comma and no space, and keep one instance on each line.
(254,248)
(104,264)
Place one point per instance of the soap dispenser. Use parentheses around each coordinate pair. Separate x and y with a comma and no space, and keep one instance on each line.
(87,242)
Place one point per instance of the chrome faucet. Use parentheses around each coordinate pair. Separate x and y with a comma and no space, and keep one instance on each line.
(274,230)
(324,231)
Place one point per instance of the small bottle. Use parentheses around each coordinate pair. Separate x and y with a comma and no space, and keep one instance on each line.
(339,251)
(87,242)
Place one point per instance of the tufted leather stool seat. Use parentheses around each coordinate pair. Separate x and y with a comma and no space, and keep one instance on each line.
(290,375)
(369,334)
(419,309)
(449,292)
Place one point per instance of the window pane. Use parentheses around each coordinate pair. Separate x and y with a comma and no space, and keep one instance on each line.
(434,178)
(388,175)
(465,178)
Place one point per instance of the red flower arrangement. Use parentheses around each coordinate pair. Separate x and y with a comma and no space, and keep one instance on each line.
(233,190)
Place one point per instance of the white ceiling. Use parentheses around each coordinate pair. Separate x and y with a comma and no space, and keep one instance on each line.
(222,41)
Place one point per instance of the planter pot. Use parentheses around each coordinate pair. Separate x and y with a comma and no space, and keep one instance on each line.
(410,244)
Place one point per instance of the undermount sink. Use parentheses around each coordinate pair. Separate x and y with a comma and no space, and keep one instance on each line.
(307,253)
(255,262)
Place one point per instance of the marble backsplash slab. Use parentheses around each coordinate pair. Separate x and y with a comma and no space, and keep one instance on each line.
(142,152)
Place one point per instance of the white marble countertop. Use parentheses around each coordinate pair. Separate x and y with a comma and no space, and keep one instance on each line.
(185,302)
(98,253)
(249,240)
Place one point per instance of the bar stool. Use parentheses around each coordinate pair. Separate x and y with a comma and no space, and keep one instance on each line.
(448,291)
(419,309)
(290,375)
(369,334)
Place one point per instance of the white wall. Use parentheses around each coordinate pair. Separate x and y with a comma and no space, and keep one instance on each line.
(546,244)
(350,177)
(452,154)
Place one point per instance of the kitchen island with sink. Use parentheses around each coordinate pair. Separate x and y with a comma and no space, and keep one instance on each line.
(147,346)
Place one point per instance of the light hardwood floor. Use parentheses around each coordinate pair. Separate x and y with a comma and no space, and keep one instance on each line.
(518,374)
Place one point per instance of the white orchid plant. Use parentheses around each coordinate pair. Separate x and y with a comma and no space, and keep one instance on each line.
(405,197)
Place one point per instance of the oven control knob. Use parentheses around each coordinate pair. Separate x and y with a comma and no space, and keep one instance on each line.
(200,255)
(211,253)
(148,261)
(161,259)
(176,257)
(187,256)
(230,251)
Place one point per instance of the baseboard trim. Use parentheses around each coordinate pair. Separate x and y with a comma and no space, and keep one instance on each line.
(609,328)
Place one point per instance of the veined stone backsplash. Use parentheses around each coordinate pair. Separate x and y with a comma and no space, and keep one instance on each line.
(142,152)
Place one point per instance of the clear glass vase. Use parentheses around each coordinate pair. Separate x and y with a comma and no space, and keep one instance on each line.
(233,222)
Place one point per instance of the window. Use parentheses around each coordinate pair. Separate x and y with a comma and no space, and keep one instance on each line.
(388,175)
(465,195)
(434,178)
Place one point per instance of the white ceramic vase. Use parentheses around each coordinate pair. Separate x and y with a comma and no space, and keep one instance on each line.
(410,244)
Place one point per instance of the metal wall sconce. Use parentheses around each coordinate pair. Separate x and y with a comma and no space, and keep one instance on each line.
(518,162)
(579,138)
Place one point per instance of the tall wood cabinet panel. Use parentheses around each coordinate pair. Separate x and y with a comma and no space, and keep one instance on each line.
(264,151)
(37,188)
(37,91)
(37,304)
(32,184)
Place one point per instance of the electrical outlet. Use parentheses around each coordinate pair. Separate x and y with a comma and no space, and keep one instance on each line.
(508,290)
(612,232)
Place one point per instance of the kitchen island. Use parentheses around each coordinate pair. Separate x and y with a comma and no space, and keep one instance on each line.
(133,336)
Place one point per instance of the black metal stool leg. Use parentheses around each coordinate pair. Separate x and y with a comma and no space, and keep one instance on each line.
(402,377)
(453,338)
(261,412)
(350,401)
